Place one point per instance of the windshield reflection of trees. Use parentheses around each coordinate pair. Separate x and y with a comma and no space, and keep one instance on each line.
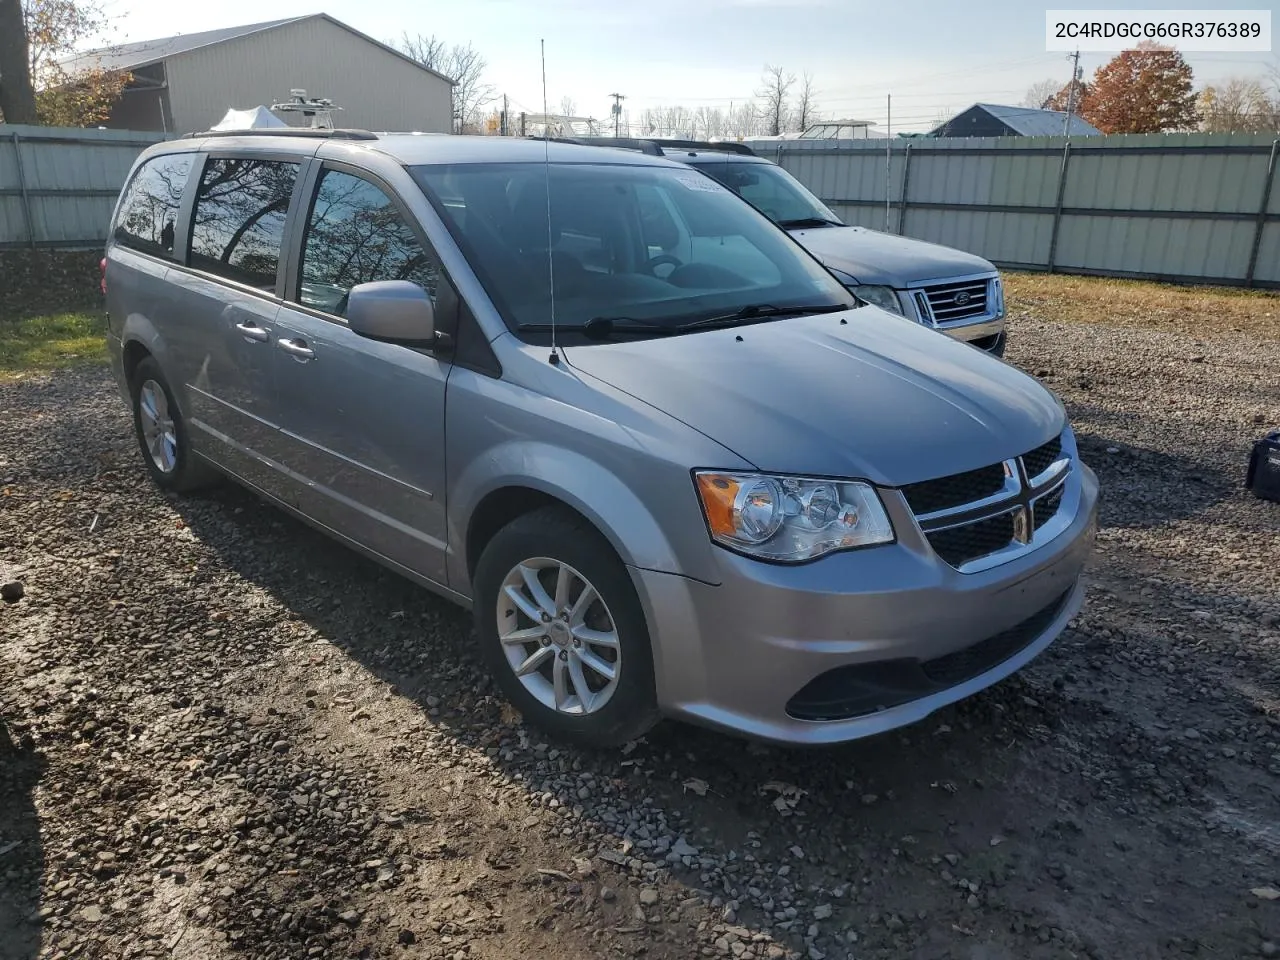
(356,235)
(239,218)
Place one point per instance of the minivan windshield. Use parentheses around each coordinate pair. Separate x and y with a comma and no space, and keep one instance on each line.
(772,191)
(634,250)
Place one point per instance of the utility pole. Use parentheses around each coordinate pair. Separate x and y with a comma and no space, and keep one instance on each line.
(888,155)
(617,111)
(502,125)
(1071,92)
(522,116)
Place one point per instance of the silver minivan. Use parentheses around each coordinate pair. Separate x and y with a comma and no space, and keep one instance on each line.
(707,484)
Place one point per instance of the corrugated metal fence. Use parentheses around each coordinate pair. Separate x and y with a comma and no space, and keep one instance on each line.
(1182,207)
(58,185)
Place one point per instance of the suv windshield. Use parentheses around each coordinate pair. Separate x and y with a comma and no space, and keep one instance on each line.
(659,247)
(772,191)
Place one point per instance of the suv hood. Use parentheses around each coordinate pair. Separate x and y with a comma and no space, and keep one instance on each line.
(878,398)
(869,256)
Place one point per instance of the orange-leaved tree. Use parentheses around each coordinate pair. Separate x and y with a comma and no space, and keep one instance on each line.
(1143,90)
(79,97)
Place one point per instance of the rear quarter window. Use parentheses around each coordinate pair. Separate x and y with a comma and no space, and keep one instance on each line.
(148,214)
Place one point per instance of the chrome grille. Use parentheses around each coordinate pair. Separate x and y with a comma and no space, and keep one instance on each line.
(1047,507)
(970,541)
(1042,458)
(945,492)
(978,518)
(961,300)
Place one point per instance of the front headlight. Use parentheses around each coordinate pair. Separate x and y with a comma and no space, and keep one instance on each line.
(882,297)
(790,519)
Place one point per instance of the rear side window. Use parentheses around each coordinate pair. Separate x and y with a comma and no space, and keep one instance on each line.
(149,211)
(355,235)
(238,224)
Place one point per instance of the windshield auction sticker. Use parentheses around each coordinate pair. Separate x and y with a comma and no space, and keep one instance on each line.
(1188,31)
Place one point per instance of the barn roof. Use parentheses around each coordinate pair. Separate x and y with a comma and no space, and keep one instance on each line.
(1030,122)
(131,56)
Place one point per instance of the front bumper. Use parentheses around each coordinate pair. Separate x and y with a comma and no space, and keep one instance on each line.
(735,655)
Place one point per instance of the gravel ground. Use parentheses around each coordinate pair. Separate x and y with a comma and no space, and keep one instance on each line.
(222,735)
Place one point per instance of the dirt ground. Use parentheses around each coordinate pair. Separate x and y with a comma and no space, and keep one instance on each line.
(222,735)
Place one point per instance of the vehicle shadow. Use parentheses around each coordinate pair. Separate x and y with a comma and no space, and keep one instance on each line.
(999,765)
(21,854)
(1153,486)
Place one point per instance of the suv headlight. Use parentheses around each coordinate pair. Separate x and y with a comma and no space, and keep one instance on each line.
(882,297)
(790,519)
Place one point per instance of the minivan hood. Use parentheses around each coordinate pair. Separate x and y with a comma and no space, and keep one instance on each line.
(871,257)
(878,398)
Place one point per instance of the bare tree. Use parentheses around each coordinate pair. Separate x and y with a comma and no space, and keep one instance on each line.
(463,65)
(567,107)
(1238,106)
(776,86)
(806,111)
(1040,95)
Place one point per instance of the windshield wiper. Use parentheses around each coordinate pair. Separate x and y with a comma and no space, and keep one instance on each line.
(601,328)
(760,311)
(800,222)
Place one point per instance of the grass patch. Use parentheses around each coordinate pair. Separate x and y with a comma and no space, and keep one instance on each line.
(1196,311)
(41,343)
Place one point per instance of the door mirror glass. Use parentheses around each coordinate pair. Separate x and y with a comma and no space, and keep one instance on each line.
(393,311)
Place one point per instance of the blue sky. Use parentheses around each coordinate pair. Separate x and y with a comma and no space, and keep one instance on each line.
(935,57)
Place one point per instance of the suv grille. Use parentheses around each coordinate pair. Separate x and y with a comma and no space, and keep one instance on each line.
(963,300)
(953,491)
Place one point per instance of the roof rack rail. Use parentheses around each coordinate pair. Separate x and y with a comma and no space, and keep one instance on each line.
(624,143)
(309,132)
(729,146)
(653,147)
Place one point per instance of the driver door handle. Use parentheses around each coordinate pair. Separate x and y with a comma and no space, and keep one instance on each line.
(296,348)
(251,331)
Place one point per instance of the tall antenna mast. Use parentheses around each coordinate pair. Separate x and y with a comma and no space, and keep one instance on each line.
(546,154)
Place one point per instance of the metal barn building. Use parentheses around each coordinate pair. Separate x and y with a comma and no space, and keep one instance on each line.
(187,83)
(994,120)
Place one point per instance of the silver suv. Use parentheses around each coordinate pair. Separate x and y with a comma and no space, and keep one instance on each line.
(704,483)
(957,293)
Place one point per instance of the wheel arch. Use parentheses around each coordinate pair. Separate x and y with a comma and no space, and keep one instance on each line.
(524,475)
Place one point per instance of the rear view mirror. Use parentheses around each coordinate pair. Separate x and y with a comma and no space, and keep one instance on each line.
(392,311)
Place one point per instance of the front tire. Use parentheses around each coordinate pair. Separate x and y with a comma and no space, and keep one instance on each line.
(162,433)
(562,630)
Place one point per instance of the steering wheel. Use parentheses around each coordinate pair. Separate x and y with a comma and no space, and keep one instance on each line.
(651,265)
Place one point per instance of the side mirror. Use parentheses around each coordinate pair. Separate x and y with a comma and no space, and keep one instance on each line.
(392,311)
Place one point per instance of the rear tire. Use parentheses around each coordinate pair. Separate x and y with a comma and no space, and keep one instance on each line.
(162,433)
(555,589)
